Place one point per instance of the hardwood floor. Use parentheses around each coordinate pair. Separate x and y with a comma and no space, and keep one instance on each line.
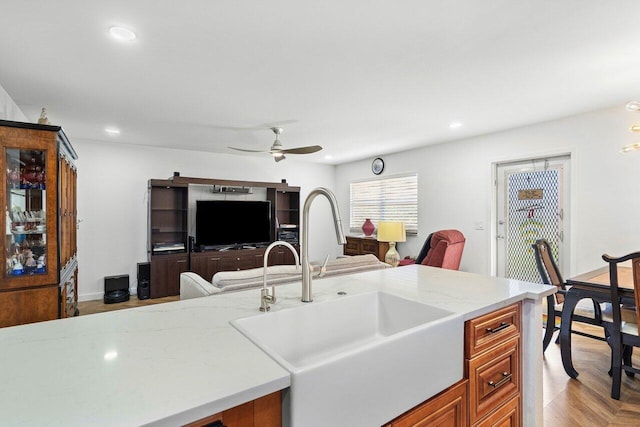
(98,306)
(585,401)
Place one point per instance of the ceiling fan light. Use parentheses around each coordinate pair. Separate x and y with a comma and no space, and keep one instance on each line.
(633,106)
(630,147)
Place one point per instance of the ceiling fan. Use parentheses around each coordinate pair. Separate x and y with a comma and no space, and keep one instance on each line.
(278,151)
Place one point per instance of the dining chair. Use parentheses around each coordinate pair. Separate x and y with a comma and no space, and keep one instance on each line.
(587,310)
(623,334)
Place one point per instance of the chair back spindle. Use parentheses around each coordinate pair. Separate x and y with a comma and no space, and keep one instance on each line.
(549,271)
(635,263)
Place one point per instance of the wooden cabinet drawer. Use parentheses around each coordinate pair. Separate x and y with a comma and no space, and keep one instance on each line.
(246,262)
(448,408)
(352,246)
(228,263)
(365,245)
(506,416)
(491,329)
(370,247)
(494,378)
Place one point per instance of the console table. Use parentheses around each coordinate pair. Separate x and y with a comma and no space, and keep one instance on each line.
(361,245)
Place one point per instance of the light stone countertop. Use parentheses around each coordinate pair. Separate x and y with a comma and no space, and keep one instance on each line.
(172,363)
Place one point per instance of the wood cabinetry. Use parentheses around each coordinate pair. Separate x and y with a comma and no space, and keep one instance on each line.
(168,234)
(208,263)
(361,245)
(493,366)
(490,394)
(264,412)
(285,210)
(507,415)
(168,208)
(39,223)
(68,211)
(447,409)
(165,274)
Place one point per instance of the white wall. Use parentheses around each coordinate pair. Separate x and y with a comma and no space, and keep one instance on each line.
(112,201)
(455,185)
(9,110)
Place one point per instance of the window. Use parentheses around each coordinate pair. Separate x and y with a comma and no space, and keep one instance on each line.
(389,199)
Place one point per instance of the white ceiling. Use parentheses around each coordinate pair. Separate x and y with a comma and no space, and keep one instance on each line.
(359,77)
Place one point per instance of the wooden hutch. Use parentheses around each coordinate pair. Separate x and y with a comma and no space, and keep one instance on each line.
(40,273)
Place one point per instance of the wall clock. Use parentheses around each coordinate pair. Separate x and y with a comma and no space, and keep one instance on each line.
(377,166)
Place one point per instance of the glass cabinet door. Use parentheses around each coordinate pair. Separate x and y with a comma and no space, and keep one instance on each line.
(27,246)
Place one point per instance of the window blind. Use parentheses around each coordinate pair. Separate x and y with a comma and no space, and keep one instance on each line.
(388,199)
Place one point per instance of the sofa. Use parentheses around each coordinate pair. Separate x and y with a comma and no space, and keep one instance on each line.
(193,285)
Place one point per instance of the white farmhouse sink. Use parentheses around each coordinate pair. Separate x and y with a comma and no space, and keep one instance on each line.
(359,360)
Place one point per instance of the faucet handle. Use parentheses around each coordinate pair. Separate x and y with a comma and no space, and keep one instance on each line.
(323,268)
(266,299)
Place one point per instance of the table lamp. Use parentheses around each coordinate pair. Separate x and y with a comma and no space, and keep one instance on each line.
(391,232)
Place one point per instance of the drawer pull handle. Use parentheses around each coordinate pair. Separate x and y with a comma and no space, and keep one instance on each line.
(506,377)
(503,325)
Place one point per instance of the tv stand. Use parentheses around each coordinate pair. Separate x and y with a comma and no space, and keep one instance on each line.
(208,263)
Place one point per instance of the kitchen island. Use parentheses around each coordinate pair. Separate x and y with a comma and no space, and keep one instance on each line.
(174,363)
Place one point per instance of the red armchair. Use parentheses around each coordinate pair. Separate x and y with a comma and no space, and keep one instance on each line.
(446,249)
(442,249)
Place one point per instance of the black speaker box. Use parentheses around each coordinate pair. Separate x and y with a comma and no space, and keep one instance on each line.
(116,289)
(144,280)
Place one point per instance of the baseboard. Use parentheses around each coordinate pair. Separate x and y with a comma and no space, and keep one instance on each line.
(100,295)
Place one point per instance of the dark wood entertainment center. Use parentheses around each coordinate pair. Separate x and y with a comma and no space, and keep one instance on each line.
(168,247)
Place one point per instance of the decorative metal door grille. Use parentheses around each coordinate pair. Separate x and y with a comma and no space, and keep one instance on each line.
(533,213)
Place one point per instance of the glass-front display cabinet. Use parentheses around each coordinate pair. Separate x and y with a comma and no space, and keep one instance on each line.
(36,209)
(26,210)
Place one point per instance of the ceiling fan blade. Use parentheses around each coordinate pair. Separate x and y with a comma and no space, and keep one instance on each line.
(248,151)
(303,150)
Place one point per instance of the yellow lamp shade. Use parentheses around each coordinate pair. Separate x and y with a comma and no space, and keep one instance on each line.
(389,231)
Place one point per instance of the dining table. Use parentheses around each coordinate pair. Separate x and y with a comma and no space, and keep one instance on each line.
(596,285)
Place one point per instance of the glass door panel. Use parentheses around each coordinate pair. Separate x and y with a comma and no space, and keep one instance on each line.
(26,204)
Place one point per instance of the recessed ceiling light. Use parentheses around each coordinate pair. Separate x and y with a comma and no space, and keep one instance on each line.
(455,125)
(633,106)
(112,131)
(635,128)
(630,147)
(328,157)
(122,33)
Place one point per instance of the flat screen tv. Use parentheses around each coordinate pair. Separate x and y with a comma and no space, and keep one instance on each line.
(232,222)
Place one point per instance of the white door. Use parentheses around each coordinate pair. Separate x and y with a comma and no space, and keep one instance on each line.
(531,200)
